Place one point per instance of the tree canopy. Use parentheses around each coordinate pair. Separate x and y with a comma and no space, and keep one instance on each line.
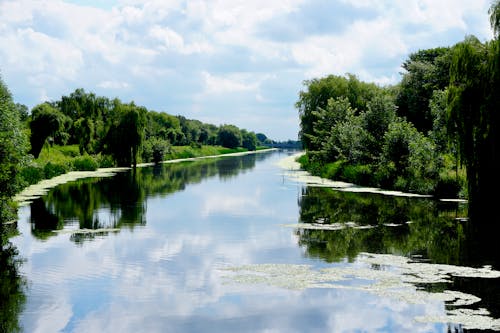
(13,147)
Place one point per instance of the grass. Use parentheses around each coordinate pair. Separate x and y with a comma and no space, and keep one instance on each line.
(450,183)
(177,152)
(56,160)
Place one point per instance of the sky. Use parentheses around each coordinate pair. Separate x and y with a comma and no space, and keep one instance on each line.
(235,62)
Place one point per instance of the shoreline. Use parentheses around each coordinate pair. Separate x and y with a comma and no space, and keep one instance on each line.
(35,191)
(295,172)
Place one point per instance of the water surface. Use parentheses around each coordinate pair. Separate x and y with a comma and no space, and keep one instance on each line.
(218,246)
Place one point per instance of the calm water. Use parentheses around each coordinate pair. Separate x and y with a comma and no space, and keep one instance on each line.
(187,247)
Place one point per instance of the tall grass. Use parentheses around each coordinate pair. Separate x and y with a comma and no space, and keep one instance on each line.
(177,152)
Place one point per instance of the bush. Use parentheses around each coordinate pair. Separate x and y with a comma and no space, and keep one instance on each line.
(105,161)
(332,170)
(69,150)
(357,174)
(51,170)
(85,163)
(385,175)
(31,174)
(449,185)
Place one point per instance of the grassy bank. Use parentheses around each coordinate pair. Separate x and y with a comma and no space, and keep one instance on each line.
(450,182)
(56,160)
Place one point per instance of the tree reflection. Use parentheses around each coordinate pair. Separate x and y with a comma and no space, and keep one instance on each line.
(437,232)
(400,225)
(12,284)
(120,201)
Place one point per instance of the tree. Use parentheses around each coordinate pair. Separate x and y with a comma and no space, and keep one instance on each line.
(473,104)
(13,146)
(22,110)
(46,122)
(323,137)
(379,114)
(126,134)
(154,150)
(249,140)
(494,12)
(426,71)
(320,91)
(261,138)
(229,136)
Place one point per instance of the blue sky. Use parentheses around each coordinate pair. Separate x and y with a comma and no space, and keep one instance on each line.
(222,61)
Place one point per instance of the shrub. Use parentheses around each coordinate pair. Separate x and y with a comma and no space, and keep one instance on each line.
(31,174)
(85,163)
(105,161)
(385,175)
(357,174)
(332,170)
(51,170)
(449,185)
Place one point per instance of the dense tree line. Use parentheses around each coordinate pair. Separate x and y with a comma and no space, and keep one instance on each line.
(416,135)
(107,132)
(13,148)
(125,131)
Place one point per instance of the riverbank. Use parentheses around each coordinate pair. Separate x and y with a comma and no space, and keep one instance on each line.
(294,171)
(32,192)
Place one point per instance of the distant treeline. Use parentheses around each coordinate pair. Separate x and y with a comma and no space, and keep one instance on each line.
(434,132)
(106,131)
(125,131)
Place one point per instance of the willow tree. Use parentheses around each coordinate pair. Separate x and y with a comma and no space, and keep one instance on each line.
(474,107)
(495,17)
(126,134)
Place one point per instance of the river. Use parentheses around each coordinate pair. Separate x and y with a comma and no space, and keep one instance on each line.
(237,244)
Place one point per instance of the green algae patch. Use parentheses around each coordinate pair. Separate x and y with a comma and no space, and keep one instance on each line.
(398,278)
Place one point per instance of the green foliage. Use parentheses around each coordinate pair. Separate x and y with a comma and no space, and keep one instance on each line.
(12,287)
(22,111)
(54,169)
(317,96)
(379,114)
(357,174)
(494,12)
(105,161)
(439,133)
(154,150)
(370,145)
(31,174)
(332,170)
(126,134)
(85,163)
(249,140)
(473,104)
(46,122)
(416,163)
(426,71)
(13,147)
(229,136)
(433,232)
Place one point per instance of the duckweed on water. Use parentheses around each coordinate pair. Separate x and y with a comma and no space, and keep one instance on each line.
(37,190)
(86,231)
(397,278)
(331,226)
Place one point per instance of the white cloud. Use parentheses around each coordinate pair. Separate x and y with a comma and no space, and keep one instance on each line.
(183,50)
(113,85)
(230,84)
